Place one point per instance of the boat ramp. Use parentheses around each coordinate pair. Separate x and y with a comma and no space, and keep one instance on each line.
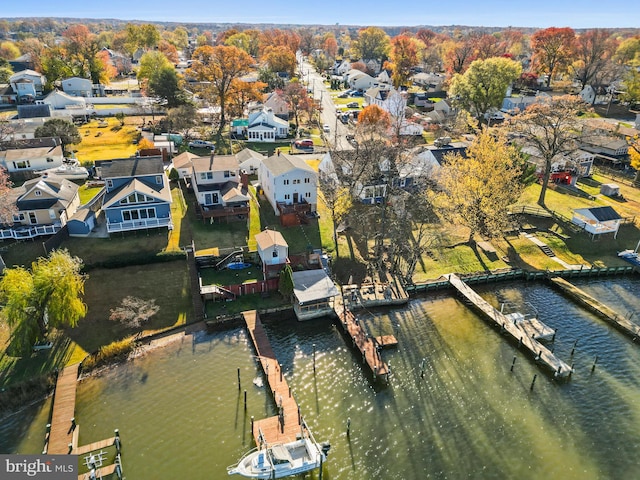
(540,352)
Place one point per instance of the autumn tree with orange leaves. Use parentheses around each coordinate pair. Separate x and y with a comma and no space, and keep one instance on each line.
(404,56)
(553,49)
(594,50)
(220,66)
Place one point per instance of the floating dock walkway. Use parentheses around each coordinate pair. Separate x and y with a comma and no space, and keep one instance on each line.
(369,347)
(541,353)
(285,426)
(625,325)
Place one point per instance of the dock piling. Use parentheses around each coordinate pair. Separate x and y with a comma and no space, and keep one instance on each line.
(513,363)
(593,367)
(533,382)
(314,357)
(348,426)
(574,347)
(245,400)
(239,380)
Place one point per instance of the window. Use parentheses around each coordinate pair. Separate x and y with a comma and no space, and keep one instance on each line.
(206,176)
(18,217)
(275,253)
(307,195)
(109,183)
(307,180)
(159,179)
(52,214)
(37,193)
(49,160)
(296,181)
(22,165)
(287,196)
(227,174)
(286,182)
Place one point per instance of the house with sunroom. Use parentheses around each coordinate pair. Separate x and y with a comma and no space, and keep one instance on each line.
(44,205)
(290,185)
(137,195)
(265,126)
(220,188)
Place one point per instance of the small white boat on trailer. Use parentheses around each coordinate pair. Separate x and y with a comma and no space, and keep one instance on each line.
(282,460)
(70,169)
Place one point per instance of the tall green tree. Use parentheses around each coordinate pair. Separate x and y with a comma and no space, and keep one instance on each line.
(48,296)
(477,191)
(165,84)
(372,44)
(285,282)
(58,127)
(484,85)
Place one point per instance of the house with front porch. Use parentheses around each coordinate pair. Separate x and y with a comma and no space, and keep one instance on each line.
(265,126)
(137,195)
(290,185)
(221,190)
(44,206)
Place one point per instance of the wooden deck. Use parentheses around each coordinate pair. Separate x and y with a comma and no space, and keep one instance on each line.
(62,429)
(285,426)
(365,344)
(623,324)
(92,447)
(542,354)
(100,472)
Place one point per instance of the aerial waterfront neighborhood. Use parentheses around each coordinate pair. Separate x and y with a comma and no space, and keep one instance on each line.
(329,250)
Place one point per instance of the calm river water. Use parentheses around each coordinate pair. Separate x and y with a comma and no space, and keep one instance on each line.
(181,415)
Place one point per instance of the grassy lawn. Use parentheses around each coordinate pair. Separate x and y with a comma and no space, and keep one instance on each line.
(112,141)
(245,302)
(87,193)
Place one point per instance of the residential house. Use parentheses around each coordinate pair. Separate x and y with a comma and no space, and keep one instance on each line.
(249,160)
(519,104)
(273,251)
(21,129)
(278,105)
(31,159)
(342,67)
(7,95)
(62,101)
(359,80)
(265,126)
(373,65)
(430,82)
(44,205)
(313,292)
(290,185)
(23,62)
(594,95)
(388,99)
(77,87)
(422,100)
(606,145)
(597,220)
(28,85)
(567,168)
(183,164)
(221,190)
(137,193)
(444,106)
(385,77)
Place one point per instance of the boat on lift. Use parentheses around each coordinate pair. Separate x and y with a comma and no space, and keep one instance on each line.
(70,169)
(282,460)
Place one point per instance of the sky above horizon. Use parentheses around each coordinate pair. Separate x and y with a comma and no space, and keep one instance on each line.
(488,13)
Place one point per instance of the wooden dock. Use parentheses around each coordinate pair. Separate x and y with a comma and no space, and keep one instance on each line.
(63,427)
(92,447)
(366,345)
(285,426)
(541,353)
(623,324)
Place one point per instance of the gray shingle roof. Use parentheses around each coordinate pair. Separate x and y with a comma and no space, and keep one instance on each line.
(283,163)
(130,167)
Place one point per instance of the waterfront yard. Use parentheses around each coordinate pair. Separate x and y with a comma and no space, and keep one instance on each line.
(100,141)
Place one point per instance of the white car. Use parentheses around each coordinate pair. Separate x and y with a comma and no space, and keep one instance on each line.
(326,128)
(201,144)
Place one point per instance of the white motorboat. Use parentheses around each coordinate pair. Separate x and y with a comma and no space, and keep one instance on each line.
(282,460)
(69,170)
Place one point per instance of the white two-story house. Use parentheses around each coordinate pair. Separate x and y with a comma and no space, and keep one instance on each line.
(266,126)
(31,159)
(221,191)
(289,183)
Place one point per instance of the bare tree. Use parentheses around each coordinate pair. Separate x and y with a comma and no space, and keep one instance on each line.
(134,312)
(552,128)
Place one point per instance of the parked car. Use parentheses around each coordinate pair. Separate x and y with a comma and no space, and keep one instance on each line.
(326,128)
(201,144)
(343,95)
(303,144)
(357,94)
(353,105)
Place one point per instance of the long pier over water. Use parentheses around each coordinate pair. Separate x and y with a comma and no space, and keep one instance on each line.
(284,427)
(541,353)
